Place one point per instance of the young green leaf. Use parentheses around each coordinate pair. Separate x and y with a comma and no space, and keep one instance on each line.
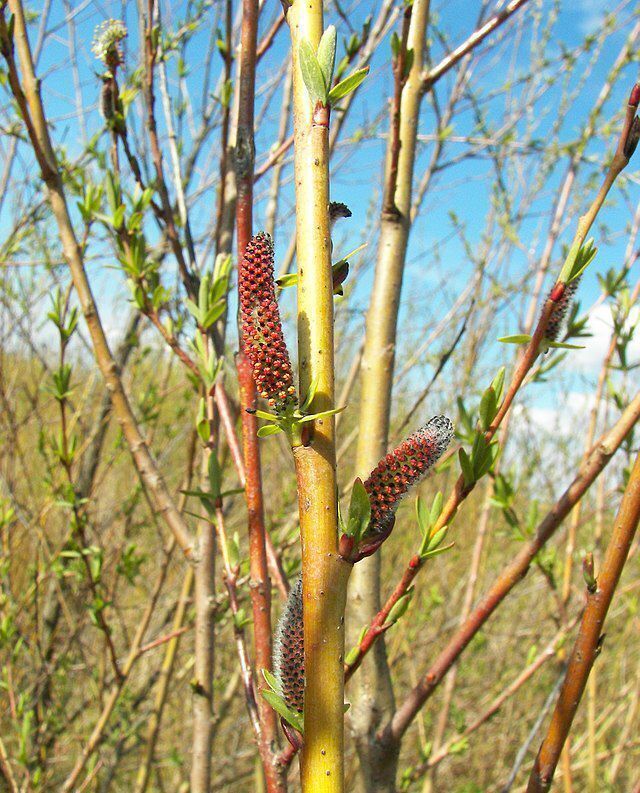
(272,681)
(359,511)
(269,429)
(488,407)
(347,85)
(233,550)
(408,62)
(281,708)
(203,296)
(192,309)
(400,608)
(422,515)
(498,383)
(577,260)
(349,255)
(395,44)
(561,345)
(322,415)
(233,492)
(518,338)
(312,73)
(313,387)
(262,414)
(436,552)
(437,538)
(202,422)
(327,54)
(290,279)
(436,508)
(213,314)
(467,468)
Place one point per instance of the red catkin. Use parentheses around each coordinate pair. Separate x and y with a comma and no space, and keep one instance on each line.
(404,467)
(386,485)
(556,327)
(262,336)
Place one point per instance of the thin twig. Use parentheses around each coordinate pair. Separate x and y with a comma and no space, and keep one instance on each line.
(588,644)
(513,573)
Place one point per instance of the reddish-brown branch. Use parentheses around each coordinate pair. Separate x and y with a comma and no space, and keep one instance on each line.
(246,671)
(172,342)
(224,130)
(512,573)
(243,158)
(459,493)
(226,417)
(525,362)
(224,409)
(527,673)
(163,639)
(378,627)
(273,158)
(588,642)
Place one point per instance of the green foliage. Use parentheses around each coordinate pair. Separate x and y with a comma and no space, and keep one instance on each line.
(274,697)
(490,401)
(212,295)
(317,71)
(518,338)
(348,85)
(359,512)
(577,261)
(130,564)
(327,55)
(431,542)
(399,609)
(409,55)
(291,279)
(209,366)
(477,462)
(312,74)
(292,420)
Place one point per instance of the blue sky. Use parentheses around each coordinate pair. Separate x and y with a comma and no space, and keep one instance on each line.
(438,265)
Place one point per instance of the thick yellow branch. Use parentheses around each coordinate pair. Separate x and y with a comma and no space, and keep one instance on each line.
(373,697)
(324,574)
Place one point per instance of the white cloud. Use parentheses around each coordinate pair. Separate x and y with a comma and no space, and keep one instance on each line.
(589,360)
(591,14)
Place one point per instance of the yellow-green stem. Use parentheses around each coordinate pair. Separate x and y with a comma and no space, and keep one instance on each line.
(324,574)
(373,697)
